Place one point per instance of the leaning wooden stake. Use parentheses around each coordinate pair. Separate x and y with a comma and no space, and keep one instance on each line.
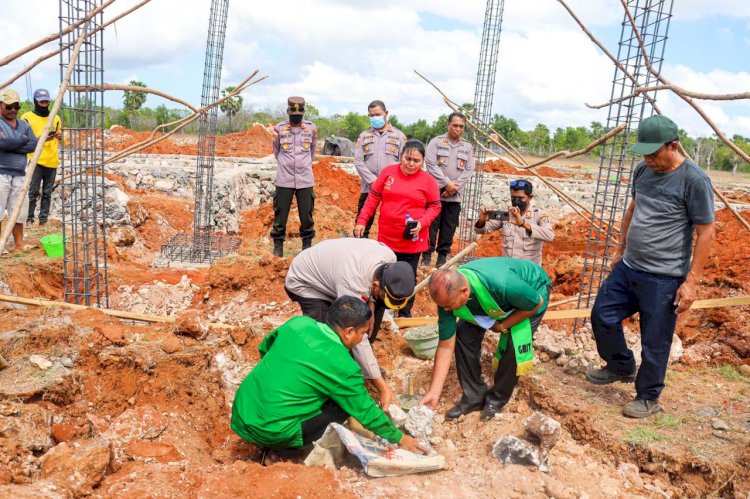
(54,36)
(132,316)
(448,264)
(131,88)
(183,122)
(13,216)
(43,58)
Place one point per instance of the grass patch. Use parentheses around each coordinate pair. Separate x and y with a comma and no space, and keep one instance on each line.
(662,420)
(730,373)
(643,435)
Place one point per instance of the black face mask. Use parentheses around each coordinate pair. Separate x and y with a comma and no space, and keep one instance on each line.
(519,204)
(295,119)
(41,111)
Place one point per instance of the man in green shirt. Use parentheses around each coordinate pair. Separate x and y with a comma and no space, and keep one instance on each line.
(306,379)
(506,295)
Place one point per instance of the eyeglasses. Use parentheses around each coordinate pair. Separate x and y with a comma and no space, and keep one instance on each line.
(518,183)
(15,106)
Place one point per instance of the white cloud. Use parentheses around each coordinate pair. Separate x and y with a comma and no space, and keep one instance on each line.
(341,55)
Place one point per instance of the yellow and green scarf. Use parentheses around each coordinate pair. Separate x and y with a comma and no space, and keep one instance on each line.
(521,332)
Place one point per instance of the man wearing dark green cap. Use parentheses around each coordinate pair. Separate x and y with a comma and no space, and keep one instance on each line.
(652,271)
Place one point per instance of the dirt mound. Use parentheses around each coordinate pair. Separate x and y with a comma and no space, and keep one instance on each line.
(502,166)
(253,142)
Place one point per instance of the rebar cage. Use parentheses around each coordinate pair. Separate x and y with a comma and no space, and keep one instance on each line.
(82,160)
(616,166)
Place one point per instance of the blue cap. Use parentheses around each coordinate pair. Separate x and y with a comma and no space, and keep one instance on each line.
(41,94)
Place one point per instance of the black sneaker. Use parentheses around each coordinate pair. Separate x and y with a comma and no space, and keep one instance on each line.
(603,376)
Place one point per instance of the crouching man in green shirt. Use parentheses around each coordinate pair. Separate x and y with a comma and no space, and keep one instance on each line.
(306,379)
(506,295)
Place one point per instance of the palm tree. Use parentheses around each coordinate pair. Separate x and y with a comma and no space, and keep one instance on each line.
(133,100)
(232,105)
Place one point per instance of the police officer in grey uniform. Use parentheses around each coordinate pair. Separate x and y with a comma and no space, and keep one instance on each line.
(377,147)
(527,229)
(294,145)
(450,160)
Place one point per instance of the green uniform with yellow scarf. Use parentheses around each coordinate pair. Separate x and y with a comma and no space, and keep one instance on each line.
(499,286)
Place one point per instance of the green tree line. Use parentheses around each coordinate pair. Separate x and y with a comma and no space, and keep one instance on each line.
(709,152)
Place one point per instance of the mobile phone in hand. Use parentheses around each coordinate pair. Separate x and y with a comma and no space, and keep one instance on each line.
(500,215)
(411,224)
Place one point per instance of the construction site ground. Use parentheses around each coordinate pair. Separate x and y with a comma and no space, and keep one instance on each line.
(131,410)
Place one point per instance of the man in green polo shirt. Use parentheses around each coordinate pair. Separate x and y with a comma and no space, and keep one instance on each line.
(307,379)
(506,295)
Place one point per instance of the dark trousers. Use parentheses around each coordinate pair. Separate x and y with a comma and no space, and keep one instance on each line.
(413,260)
(317,309)
(468,349)
(313,428)
(44,177)
(443,228)
(282,203)
(625,292)
(360,204)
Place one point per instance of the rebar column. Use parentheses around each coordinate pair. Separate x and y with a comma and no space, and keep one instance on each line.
(616,166)
(483,96)
(82,160)
(204,173)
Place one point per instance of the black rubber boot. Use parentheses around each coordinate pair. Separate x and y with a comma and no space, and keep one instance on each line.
(306,243)
(441,258)
(278,248)
(426,259)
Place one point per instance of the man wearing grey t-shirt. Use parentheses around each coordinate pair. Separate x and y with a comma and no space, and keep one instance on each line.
(653,273)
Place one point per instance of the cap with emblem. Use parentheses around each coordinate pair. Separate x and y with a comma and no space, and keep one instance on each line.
(398,283)
(41,94)
(654,132)
(9,96)
(296,105)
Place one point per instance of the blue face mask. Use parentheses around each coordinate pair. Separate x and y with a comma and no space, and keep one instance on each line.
(377,122)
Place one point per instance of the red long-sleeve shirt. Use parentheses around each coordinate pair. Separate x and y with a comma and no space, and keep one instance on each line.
(399,194)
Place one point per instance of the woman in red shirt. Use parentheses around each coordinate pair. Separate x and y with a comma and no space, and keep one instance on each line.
(400,190)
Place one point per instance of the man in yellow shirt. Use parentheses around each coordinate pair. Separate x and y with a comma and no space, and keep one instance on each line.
(46,170)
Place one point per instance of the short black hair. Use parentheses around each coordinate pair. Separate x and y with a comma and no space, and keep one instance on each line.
(456,114)
(377,103)
(528,188)
(348,311)
(413,144)
(378,276)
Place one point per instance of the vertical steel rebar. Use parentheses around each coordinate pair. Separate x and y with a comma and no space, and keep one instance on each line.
(82,160)
(204,173)
(616,165)
(483,96)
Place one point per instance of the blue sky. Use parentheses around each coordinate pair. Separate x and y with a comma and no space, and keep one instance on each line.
(340,55)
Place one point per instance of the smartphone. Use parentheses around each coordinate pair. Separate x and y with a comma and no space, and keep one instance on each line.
(411,224)
(500,215)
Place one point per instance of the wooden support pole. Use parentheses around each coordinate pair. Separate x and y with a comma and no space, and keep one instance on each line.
(448,264)
(133,316)
(584,313)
